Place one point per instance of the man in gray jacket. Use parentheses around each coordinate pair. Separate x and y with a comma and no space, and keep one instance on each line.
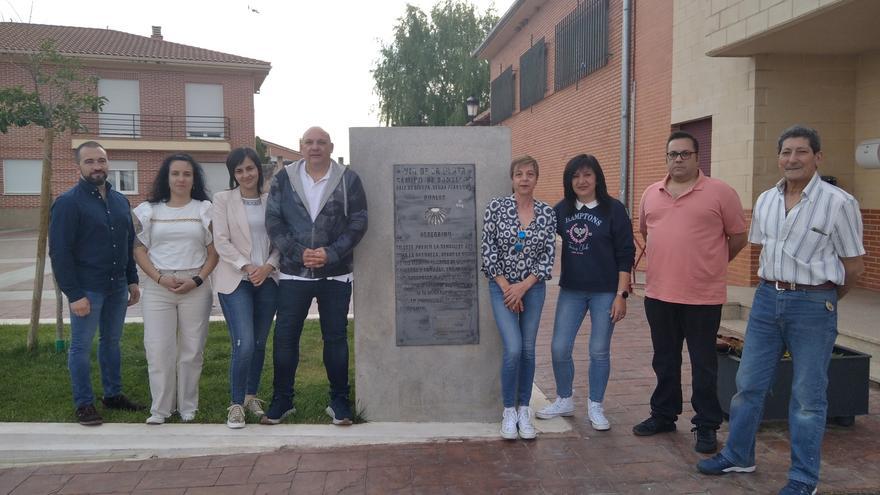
(315,215)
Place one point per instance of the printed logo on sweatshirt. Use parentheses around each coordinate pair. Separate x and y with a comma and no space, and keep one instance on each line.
(579,231)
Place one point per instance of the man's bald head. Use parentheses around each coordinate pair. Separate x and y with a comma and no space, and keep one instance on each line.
(316,147)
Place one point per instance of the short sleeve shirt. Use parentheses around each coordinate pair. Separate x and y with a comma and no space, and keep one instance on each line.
(805,245)
(687,248)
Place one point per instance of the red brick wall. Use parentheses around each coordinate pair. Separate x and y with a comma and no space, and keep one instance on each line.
(871,278)
(743,270)
(582,118)
(161,93)
(652,107)
(585,118)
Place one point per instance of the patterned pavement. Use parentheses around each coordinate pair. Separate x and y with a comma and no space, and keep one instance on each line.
(581,461)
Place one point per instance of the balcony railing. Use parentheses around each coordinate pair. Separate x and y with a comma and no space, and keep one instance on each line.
(145,126)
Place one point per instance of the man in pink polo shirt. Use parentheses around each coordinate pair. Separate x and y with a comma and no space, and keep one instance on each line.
(693,226)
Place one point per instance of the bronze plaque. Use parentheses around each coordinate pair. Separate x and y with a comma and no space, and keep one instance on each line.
(435,255)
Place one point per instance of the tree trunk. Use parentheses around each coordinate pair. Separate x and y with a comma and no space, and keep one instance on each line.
(59,318)
(45,204)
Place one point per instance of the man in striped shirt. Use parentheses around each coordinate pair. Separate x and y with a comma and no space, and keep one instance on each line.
(811,237)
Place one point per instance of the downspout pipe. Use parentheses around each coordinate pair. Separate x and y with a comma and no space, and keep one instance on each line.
(625,79)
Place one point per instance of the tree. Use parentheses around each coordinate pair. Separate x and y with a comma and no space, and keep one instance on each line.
(57,94)
(262,152)
(425,75)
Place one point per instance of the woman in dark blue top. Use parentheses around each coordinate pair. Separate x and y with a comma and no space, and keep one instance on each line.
(597,256)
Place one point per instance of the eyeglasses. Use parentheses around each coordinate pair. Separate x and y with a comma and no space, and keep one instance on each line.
(520,241)
(673,155)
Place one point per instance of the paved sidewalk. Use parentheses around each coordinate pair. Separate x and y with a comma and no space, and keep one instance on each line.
(581,461)
(17,269)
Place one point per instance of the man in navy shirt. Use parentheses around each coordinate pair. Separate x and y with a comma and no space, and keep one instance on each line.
(90,244)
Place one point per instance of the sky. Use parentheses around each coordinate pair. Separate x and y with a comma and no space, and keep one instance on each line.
(321,51)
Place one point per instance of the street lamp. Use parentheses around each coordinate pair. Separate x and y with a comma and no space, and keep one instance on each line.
(473,107)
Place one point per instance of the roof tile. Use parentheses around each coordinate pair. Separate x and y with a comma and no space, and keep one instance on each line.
(22,37)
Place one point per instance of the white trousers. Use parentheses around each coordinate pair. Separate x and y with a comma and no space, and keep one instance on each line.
(175,330)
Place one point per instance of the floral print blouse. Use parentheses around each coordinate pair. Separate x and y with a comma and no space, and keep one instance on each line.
(515,251)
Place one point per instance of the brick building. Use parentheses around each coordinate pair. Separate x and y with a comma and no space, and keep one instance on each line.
(732,72)
(280,156)
(163,97)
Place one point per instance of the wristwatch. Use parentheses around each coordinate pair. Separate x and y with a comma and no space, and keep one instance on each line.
(622,293)
(198,280)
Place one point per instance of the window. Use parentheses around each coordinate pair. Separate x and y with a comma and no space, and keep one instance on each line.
(533,75)
(204,111)
(581,42)
(22,176)
(216,177)
(123,176)
(501,97)
(121,115)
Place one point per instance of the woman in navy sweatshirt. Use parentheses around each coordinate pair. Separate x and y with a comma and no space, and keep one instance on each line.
(597,256)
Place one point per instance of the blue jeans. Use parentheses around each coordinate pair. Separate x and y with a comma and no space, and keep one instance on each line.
(805,323)
(294,299)
(571,308)
(249,312)
(518,333)
(108,313)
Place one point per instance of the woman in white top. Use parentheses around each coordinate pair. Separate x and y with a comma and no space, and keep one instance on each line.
(246,278)
(175,250)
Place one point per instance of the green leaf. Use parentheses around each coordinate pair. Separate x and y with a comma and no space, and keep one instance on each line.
(424,76)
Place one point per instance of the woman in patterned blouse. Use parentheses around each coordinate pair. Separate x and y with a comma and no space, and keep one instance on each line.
(518,248)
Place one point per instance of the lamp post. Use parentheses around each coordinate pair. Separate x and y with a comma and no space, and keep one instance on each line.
(473,107)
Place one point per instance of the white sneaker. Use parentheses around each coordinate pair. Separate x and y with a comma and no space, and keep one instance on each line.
(508,424)
(524,423)
(254,406)
(155,419)
(235,417)
(597,416)
(562,406)
(188,417)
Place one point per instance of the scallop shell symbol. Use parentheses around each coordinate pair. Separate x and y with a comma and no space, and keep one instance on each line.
(435,215)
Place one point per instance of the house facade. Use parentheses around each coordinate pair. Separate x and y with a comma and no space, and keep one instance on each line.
(279,155)
(162,97)
(733,73)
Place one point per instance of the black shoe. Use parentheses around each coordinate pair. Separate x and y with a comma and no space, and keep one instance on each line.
(652,426)
(339,411)
(88,416)
(707,443)
(122,402)
(278,410)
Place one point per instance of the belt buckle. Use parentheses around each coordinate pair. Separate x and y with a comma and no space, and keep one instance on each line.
(780,288)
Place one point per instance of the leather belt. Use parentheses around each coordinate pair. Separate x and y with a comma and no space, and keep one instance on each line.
(780,286)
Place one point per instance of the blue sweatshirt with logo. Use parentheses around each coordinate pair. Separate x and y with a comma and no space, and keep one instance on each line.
(597,244)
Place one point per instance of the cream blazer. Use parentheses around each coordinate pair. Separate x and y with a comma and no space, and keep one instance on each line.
(232,240)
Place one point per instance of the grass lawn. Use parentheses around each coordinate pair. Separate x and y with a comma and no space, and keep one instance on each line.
(36,386)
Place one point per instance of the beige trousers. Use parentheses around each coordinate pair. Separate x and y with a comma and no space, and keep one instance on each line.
(175,330)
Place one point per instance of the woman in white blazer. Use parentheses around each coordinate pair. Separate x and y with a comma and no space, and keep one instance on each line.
(246,278)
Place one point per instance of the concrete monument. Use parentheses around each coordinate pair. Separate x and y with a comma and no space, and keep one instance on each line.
(426,345)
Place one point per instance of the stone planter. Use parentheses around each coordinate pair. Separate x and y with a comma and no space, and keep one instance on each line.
(848,382)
